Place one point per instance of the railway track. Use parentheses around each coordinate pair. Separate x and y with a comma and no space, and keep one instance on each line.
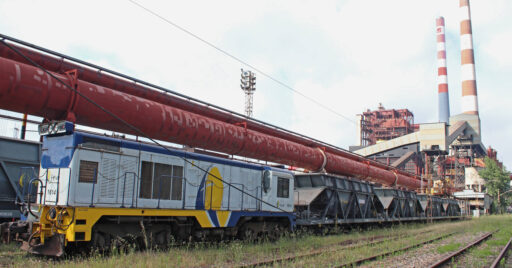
(388,253)
(347,244)
(445,260)
(498,261)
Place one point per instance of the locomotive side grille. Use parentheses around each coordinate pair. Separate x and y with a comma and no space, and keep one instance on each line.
(108,178)
(128,171)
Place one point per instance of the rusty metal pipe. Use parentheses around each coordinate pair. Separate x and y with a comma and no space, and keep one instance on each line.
(122,83)
(26,89)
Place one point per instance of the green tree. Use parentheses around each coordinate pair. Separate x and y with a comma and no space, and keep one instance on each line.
(497,182)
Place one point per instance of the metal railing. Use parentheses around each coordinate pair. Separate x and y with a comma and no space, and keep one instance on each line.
(172,178)
(11,126)
(245,192)
(209,187)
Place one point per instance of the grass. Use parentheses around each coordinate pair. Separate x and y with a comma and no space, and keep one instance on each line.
(448,248)
(234,253)
(498,242)
(483,253)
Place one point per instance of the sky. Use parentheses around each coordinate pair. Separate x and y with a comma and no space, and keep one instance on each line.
(348,55)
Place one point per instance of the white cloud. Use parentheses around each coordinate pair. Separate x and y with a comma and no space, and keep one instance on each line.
(498,48)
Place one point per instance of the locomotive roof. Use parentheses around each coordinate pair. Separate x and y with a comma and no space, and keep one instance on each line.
(76,138)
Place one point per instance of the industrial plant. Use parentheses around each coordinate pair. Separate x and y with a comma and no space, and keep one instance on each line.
(447,153)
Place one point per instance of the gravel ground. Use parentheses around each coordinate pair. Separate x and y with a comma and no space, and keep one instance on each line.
(425,255)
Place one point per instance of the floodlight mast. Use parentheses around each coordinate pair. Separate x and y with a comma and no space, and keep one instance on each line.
(248,85)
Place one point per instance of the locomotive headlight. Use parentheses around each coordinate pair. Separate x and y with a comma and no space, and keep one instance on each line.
(55,127)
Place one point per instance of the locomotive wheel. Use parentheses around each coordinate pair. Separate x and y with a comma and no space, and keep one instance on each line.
(162,240)
(100,241)
(247,233)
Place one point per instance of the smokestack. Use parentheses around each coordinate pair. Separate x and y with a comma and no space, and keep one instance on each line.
(469,99)
(442,74)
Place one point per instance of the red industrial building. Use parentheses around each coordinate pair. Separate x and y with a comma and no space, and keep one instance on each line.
(385,124)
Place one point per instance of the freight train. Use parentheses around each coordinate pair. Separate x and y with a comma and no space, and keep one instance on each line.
(96,192)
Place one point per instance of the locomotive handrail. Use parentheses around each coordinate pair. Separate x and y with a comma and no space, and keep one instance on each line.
(258,201)
(95,180)
(160,187)
(28,199)
(211,184)
(184,194)
(171,177)
(242,194)
(229,196)
(124,187)
(24,189)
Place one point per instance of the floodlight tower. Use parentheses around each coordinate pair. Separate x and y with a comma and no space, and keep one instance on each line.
(248,85)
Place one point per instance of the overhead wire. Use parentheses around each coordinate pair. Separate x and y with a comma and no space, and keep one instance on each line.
(226,53)
(132,127)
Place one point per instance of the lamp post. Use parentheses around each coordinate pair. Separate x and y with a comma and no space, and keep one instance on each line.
(248,85)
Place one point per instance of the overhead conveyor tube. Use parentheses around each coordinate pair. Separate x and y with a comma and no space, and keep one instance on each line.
(59,63)
(27,89)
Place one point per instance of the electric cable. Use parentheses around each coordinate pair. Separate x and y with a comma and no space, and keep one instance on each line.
(241,61)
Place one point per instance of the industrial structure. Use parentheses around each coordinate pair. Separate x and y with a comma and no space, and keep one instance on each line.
(442,72)
(447,154)
(383,125)
(469,94)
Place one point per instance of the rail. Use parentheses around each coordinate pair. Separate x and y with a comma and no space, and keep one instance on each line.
(501,256)
(450,257)
(388,253)
(344,245)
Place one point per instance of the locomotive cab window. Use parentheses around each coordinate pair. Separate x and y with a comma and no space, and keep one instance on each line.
(283,187)
(161,181)
(87,172)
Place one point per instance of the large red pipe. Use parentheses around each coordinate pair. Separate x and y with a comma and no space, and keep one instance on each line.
(60,65)
(27,89)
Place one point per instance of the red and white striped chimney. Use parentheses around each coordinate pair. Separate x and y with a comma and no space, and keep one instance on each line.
(469,97)
(442,74)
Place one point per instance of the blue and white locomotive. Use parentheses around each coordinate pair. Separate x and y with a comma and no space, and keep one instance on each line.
(96,188)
